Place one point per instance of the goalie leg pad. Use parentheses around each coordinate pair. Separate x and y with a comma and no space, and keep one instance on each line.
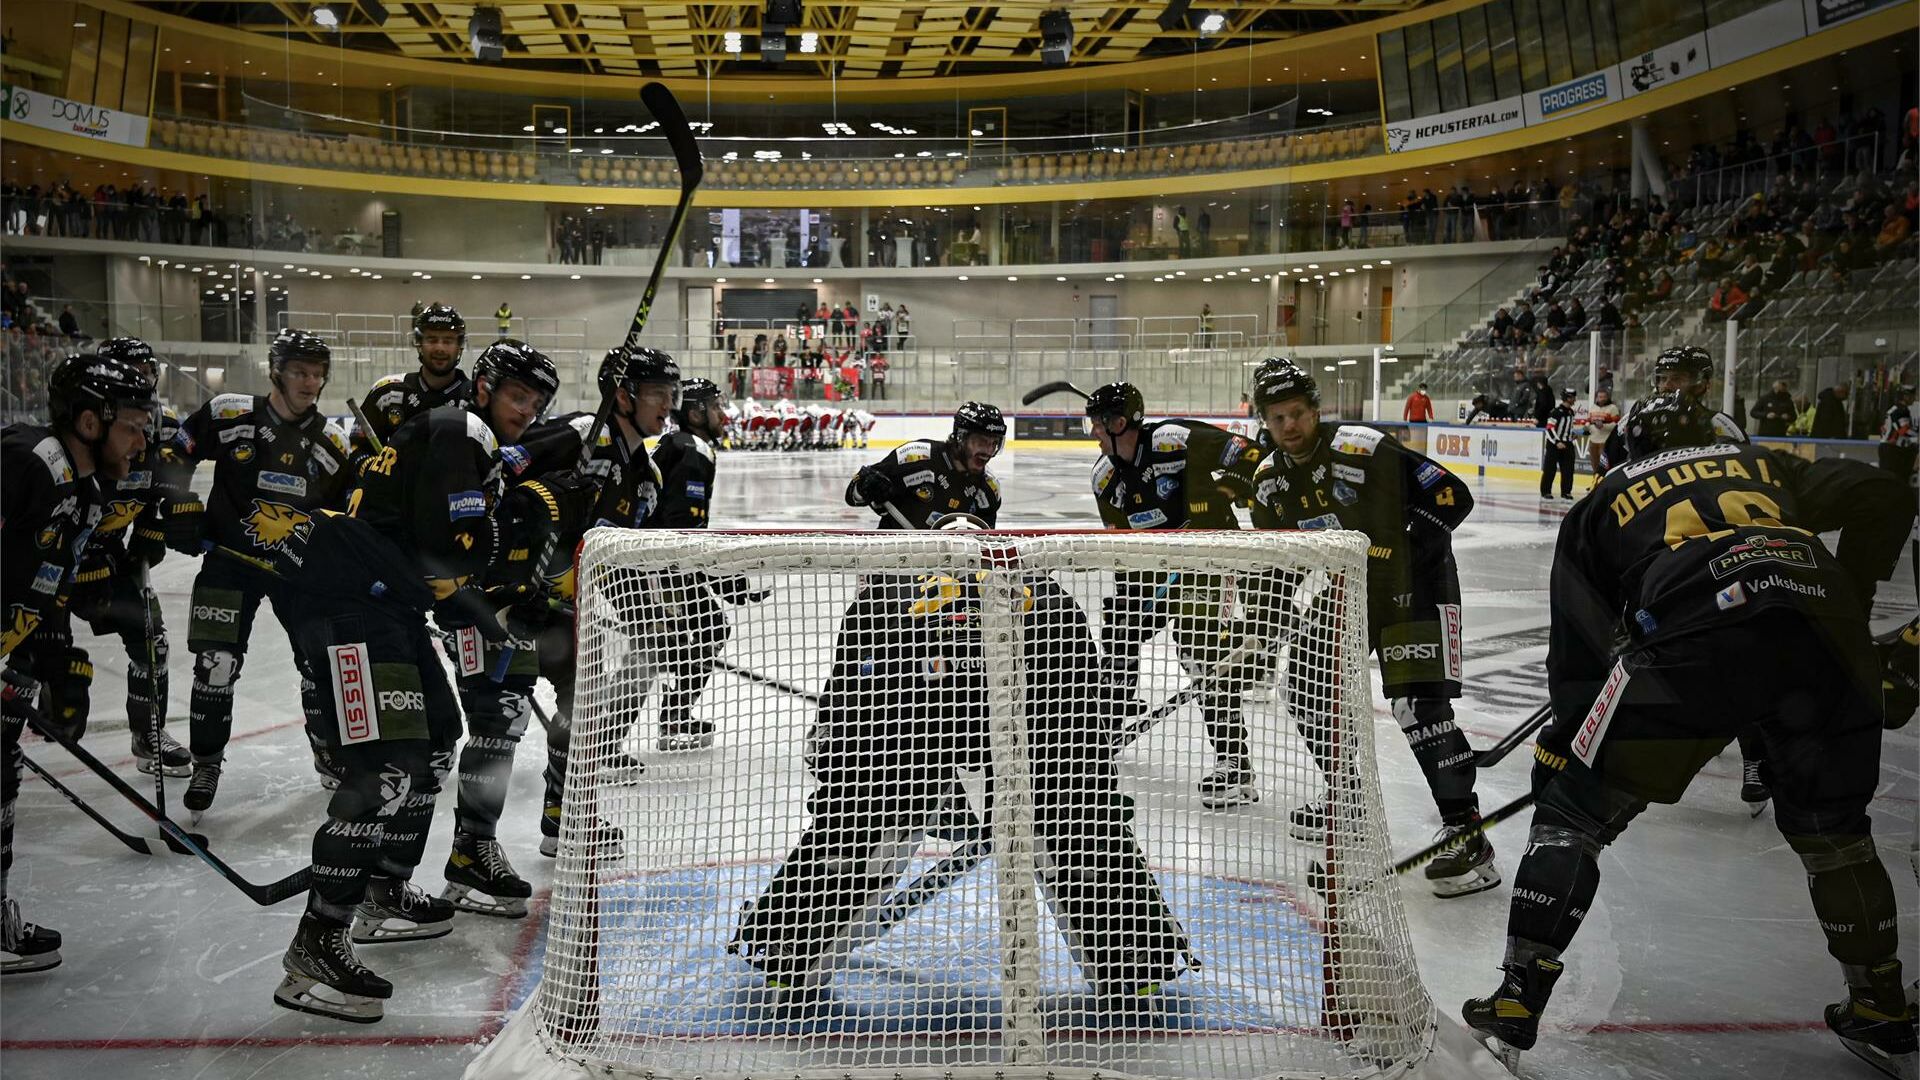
(1109,907)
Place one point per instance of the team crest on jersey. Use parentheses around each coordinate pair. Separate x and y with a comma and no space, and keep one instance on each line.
(1344,493)
(243,453)
(21,623)
(273,525)
(1165,487)
(394,416)
(49,536)
(120,513)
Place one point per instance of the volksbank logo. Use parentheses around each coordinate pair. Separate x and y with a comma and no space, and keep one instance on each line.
(1573,95)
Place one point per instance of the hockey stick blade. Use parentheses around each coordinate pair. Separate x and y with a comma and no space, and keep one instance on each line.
(1494,754)
(267,895)
(1049,389)
(142,844)
(767,680)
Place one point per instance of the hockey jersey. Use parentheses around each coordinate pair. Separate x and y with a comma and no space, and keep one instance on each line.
(431,492)
(1170,483)
(1362,478)
(686,480)
(932,488)
(397,398)
(270,475)
(47,515)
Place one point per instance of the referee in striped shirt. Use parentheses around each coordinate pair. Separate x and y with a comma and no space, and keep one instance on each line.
(1557,454)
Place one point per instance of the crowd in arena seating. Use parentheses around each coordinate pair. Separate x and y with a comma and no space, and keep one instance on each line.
(143,214)
(33,342)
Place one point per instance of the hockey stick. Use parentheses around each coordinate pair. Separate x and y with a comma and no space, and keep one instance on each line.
(766,680)
(1047,389)
(894,513)
(267,895)
(1492,755)
(1430,852)
(156,708)
(142,844)
(1141,725)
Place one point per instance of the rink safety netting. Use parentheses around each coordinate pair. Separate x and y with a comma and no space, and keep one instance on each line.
(921,843)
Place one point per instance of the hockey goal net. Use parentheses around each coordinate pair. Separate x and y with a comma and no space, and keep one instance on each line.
(941,831)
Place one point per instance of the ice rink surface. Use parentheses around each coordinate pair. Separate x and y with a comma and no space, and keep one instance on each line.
(1700,959)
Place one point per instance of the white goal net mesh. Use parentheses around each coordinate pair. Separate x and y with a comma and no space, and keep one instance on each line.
(904,804)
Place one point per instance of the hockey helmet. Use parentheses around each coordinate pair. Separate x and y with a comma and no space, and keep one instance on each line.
(291,344)
(133,351)
(1690,361)
(696,395)
(1117,399)
(634,366)
(1665,421)
(438,316)
(1279,379)
(90,382)
(976,418)
(510,358)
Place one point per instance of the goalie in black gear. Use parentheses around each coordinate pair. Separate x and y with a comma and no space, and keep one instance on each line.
(101,412)
(425,524)
(927,482)
(1174,474)
(112,593)
(1698,556)
(1354,477)
(904,709)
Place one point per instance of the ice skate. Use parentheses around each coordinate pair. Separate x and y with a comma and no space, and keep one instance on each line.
(397,910)
(1230,784)
(1466,866)
(202,788)
(481,880)
(325,978)
(328,769)
(1508,1021)
(1753,788)
(25,947)
(1877,1023)
(685,735)
(172,760)
(608,840)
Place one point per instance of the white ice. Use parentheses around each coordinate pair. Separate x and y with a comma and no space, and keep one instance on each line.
(1700,959)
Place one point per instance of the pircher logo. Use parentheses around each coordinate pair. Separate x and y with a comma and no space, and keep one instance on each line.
(1757,548)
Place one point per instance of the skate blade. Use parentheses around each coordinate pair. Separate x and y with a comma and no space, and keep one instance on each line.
(679,744)
(479,903)
(550,846)
(303,994)
(27,965)
(1227,800)
(368,930)
(1903,1066)
(1306,835)
(1755,809)
(145,765)
(194,816)
(1508,1056)
(1477,880)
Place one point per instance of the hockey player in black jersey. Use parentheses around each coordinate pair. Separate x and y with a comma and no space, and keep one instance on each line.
(903,709)
(277,462)
(49,505)
(1354,477)
(111,591)
(1174,474)
(686,461)
(439,337)
(1691,559)
(496,680)
(925,481)
(425,524)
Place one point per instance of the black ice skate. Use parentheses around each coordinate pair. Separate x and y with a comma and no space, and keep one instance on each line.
(1308,823)
(1230,784)
(397,910)
(1877,1022)
(685,735)
(202,788)
(481,880)
(1753,787)
(1466,865)
(1509,1021)
(325,978)
(25,947)
(173,759)
(607,839)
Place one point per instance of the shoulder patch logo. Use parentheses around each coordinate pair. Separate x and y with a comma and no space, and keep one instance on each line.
(466,504)
(1357,441)
(1170,437)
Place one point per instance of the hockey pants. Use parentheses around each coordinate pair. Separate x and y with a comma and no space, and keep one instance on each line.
(226,597)
(1145,603)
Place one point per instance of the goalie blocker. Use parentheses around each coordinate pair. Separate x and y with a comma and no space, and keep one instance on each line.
(904,709)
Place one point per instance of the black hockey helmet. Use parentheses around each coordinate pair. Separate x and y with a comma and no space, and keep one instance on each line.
(975,418)
(1569,394)
(291,344)
(90,382)
(1665,421)
(1121,399)
(438,316)
(695,396)
(133,351)
(1279,379)
(634,366)
(510,358)
(1689,360)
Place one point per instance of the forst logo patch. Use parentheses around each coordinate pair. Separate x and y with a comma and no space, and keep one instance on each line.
(1754,549)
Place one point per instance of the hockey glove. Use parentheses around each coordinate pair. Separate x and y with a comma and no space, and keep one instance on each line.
(1900,673)
(186,525)
(66,678)
(873,485)
(1234,486)
(147,544)
(92,586)
(734,589)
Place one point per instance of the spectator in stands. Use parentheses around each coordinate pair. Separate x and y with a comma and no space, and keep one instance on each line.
(1454,204)
(1520,395)
(1346,223)
(1830,413)
(1608,322)
(1523,324)
(1205,339)
(902,330)
(1726,301)
(1500,335)
(780,351)
(69,323)
(1576,318)
(1841,261)
(1205,223)
(1182,231)
(1555,331)
(1774,411)
(877,373)
(1709,260)
(1542,399)
(1480,410)
(1419,408)
(1894,231)
(1750,274)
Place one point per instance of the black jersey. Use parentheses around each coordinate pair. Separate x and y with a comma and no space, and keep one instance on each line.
(432,491)
(270,476)
(931,488)
(1695,539)
(1362,478)
(140,496)
(398,398)
(47,515)
(1169,484)
(686,480)
(627,479)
